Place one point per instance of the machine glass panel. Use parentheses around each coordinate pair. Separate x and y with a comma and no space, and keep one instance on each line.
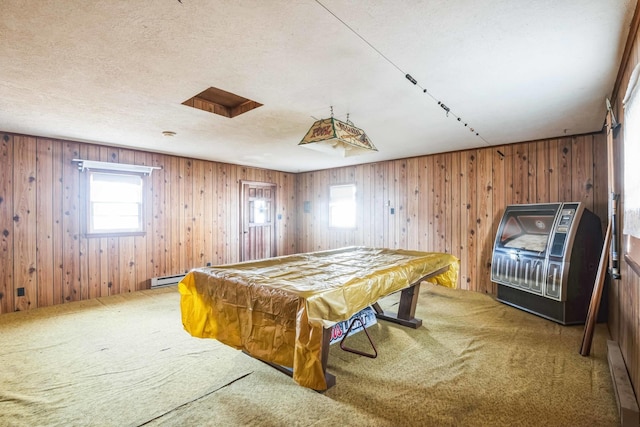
(527,230)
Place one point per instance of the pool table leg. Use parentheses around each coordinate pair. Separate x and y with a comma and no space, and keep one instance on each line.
(326,343)
(406,308)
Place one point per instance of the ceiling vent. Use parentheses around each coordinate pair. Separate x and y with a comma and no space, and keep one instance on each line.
(218,101)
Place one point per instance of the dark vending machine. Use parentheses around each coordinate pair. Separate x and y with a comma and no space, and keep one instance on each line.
(545,260)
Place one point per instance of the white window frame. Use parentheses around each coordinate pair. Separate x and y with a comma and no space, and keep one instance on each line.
(631,126)
(343,201)
(134,204)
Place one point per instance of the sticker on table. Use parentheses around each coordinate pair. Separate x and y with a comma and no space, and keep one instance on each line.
(366,315)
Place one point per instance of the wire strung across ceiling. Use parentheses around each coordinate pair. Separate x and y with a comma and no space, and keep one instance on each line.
(407,75)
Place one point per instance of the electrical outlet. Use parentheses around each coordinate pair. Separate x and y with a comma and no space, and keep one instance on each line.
(20,292)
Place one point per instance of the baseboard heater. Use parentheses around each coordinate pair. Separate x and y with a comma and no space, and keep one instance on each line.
(158,282)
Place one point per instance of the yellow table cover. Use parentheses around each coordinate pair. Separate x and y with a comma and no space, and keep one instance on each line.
(275,309)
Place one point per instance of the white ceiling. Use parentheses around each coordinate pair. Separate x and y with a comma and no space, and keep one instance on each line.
(115,72)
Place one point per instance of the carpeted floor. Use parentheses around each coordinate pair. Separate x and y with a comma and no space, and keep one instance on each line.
(126,361)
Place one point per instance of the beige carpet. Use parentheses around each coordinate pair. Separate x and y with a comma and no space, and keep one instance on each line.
(125,361)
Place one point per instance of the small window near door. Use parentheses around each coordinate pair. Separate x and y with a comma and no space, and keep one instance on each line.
(259,212)
(114,203)
(342,206)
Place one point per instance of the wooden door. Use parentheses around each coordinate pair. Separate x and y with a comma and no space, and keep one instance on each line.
(257,221)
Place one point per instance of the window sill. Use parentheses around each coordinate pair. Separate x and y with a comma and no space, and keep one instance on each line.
(116,234)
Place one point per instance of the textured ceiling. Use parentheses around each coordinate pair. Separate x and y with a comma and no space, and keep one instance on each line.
(116,72)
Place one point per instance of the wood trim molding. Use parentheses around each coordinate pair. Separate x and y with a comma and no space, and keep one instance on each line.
(632,253)
(625,398)
(635,267)
(626,55)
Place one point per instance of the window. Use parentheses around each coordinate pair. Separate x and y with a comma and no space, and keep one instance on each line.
(259,212)
(114,203)
(342,206)
(631,184)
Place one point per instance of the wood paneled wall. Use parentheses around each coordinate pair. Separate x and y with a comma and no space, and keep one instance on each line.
(192,218)
(624,294)
(453,202)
